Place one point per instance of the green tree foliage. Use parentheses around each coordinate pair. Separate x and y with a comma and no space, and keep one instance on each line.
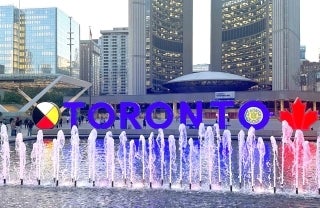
(12,98)
(55,95)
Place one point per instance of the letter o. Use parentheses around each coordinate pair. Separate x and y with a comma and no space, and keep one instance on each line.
(244,115)
(169,114)
(110,111)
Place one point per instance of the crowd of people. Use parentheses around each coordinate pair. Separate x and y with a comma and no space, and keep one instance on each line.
(17,124)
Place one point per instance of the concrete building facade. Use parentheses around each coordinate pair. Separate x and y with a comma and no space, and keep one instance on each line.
(114,61)
(90,64)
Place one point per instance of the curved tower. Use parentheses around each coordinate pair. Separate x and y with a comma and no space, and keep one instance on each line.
(259,40)
(168,42)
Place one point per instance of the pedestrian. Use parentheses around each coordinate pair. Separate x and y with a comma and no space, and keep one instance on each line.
(30,127)
(144,123)
(60,122)
(18,125)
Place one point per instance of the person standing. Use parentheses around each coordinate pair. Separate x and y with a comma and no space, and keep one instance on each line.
(30,127)
(144,123)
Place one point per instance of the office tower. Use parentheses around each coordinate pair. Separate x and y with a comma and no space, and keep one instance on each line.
(258,39)
(39,41)
(12,40)
(168,42)
(137,48)
(90,64)
(114,60)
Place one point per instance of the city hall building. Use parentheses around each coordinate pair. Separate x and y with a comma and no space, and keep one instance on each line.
(257,39)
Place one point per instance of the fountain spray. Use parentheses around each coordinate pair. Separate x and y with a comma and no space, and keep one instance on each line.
(122,155)
(132,151)
(142,154)
(298,141)
(226,138)
(217,130)
(151,158)
(210,148)
(191,151)
(182,145)
(75,154)
(318,163)
(201,134)
(161,145)
(306,159)
(37,154)
(286,135)
(241,143)
(57,147)
(5,153)
(172,151)
(275,155)
(92,156)
(109,156)
(251,146)
(21,149)
(262,151)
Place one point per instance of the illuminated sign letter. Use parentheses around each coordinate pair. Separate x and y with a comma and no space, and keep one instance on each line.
(222,110)
(186,110)
(73,110)
(255,114)
(169,115)
(110,111)
(129,110)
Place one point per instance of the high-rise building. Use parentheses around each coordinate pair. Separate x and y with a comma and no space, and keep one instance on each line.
(167,26)
(38,41)
(258,39)
(90,64)
(137,48)
(114,61)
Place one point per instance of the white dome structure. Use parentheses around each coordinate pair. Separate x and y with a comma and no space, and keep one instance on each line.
(209,81)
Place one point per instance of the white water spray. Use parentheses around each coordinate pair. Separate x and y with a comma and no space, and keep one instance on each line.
(92,155)
(75,154)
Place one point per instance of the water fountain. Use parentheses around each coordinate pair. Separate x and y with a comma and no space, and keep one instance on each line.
(58,144)
(110,157)
(210,158)
(210,152)
(122,155)
(75,154)
(92,156)
(227,152)
(142,154)
(161,146)
(152,158)
(274,161)
(5,153)
(172,160)
(37,155)
(21,150)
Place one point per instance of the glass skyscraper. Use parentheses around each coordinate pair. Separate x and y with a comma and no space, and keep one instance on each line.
(38,41)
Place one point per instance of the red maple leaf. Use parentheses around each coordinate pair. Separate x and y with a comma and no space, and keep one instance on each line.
(299,118)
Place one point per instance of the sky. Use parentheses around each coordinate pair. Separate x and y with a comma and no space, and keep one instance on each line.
(108,14)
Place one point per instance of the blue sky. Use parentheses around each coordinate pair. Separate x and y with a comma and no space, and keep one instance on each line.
(107,14)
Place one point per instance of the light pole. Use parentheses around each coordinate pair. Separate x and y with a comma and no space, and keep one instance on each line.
(70,45)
